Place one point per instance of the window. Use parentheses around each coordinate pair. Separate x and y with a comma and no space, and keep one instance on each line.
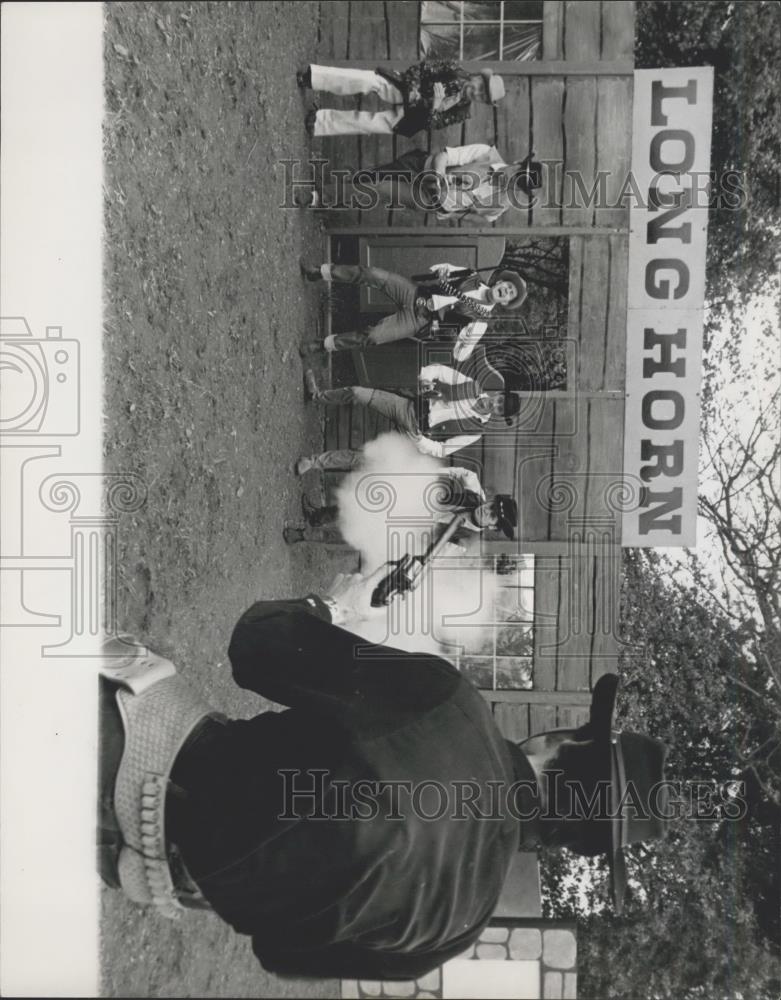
(481,29)
(503,660)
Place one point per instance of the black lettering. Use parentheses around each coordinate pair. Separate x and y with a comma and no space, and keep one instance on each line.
(660,288)
(666,459)
(651,520)
(650,399)
(661,92)
(662,166)
(665,342)
(657,228)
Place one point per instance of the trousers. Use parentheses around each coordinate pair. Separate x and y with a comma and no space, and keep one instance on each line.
(400,410)
(337,460)
(347,82)
(405,322)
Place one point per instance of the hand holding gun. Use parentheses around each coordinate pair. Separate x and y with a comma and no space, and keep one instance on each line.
(407,573)
(429,388)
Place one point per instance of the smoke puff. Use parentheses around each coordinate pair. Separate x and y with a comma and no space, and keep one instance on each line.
(389,507)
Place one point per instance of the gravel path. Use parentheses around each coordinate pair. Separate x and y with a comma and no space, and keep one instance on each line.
(204,315)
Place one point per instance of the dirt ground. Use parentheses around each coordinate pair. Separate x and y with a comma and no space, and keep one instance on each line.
(205,311)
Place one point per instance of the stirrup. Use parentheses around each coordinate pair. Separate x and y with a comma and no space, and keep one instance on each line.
(130,665)
(159,711)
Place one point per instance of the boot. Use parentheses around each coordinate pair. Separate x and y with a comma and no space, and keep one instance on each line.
(293,533)
(311,120)
(309,273)
(318,517)
(310,382)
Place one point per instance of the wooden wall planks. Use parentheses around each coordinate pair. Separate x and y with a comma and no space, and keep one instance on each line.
(403,26)
(582,35)
(583,123)
(593,307)
(513,137)
(615,340)
(618,30)
(597,313)
(548,141)
(552,29)
(580,142)
(614,145)
(582,119)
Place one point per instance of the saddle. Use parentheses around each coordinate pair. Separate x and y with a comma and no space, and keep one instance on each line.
(147,713)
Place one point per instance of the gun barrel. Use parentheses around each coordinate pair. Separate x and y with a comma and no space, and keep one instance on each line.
(408,572)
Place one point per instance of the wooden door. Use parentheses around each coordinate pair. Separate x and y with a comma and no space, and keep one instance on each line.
(397,365)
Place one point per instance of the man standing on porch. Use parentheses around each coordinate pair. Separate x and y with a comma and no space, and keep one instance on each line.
(472,183)
(448,412)
(435,93)
(452,295)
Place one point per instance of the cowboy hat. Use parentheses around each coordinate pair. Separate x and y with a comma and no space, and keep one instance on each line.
(512,406)
(634,763)
(636,771)
(494,85)
(528,173)
(514,279)
(505,510)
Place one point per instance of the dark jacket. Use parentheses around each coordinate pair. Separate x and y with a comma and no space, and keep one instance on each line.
(456,316)
(416,85)
(469,394)
(373,898)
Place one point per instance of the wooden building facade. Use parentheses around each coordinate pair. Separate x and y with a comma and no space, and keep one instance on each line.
(563,458)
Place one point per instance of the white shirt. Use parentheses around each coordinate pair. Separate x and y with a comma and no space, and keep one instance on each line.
(470,335)
(441,410)
(468,480)
(462,156)
(441,449)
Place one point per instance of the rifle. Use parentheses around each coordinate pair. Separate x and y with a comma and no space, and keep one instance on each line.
(407,572)
(426,277)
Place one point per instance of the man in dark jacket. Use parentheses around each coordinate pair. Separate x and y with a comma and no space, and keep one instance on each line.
(320,831)
(432,94)
(447,294)
(366,832)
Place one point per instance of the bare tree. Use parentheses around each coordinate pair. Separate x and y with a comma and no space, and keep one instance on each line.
(741,501)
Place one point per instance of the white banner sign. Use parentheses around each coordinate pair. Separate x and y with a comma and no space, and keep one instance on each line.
(668,231)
